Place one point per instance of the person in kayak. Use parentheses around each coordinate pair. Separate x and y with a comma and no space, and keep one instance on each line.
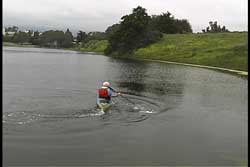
(105,93)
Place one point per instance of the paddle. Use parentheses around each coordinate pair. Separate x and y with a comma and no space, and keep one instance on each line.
(122,96)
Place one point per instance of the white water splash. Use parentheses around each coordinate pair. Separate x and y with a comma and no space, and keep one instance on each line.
(136,108)
(92,114)
(148,112)
(143,110)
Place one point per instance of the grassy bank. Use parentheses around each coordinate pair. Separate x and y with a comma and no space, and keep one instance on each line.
(17,45)
(97,46)
(227,50)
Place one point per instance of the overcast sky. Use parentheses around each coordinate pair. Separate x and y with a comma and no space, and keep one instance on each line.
(97,15)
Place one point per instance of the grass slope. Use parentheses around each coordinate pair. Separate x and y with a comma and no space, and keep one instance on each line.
(227,50)
(95,46)
(17,45)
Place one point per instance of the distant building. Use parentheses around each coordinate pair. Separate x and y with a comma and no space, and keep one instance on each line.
(3,31)
(74,41)
(9,33)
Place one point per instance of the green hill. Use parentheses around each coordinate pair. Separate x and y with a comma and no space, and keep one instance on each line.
(227,50)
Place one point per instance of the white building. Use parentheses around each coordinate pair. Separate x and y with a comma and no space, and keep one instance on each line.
(3,31)
(9,33)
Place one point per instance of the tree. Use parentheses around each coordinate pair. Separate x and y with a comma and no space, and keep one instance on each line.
(112,29)
(224,29)
(131,33)
(166,23)
(11,29)
(55,39)
(21,37)
(214,28)
(68,39)
(182,26)
(35,40)
(52,38)
(81,37)
(96,35)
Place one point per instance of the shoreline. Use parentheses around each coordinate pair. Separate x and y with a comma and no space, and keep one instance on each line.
(239,72)
(37,46)
(9,44)
(244,73)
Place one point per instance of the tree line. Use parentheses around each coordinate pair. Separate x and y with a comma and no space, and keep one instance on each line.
(135,30)
(214,28)
(50,38)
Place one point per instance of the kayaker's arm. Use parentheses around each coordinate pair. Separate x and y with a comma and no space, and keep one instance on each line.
(112,89)
(115,94)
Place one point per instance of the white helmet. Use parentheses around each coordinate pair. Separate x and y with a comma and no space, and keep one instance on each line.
(107,84)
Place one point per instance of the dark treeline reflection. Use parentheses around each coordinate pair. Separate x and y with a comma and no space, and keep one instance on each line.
(151,78)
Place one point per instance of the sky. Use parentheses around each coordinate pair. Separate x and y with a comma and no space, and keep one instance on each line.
(97,15)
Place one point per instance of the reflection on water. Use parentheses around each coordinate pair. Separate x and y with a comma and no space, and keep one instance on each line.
(169,114)
(155,78)
(152,82)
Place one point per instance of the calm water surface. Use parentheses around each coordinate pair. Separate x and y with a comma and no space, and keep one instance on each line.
(176,115)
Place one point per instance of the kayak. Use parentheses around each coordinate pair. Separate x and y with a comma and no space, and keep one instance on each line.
(103,105)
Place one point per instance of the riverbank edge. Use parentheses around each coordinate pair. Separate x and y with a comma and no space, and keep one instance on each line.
(36,46)
(244,73)
(10,44)
(86,52)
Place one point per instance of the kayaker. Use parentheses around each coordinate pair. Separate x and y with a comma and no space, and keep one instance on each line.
(106,92)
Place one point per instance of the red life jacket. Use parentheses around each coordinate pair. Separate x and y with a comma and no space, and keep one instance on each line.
(103,93)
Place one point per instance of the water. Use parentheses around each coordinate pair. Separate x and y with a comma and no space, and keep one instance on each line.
(175,115)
